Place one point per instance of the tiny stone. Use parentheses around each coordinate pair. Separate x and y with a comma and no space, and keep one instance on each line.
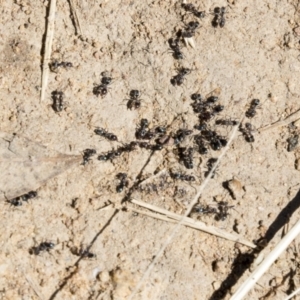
(216,285)
(104,276)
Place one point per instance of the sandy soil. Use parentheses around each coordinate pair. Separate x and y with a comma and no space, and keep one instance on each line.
(255,55)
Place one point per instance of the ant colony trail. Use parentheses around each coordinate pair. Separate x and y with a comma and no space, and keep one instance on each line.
(179,119)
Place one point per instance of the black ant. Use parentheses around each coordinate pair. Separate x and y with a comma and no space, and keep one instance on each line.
(212,137)
(199,140)
(55,65)
(201,126)
(292,142)
(183,177)
(210,164)
(128,147)
(198,105)
(205,116)
(160,130)
(217,142)
(246,131)
(111,155)
(202,107)
(142,129)
(191,8)
(212,99)
(190,29)
(223,208)
(106,80)
(15,201)
(58,103)
(155,147)
(226,122)
(186,155)
(44,246)
(106,134)
(102,89)
(134,101)
(18,200)
(251,112)
(143,145)
(205,210)
(196,97)
(30,195)
(87,153)
(208,134)
(83,253)
(219,17)
(123,182)
(218,108)
(142,132)
(180,135)
(86,254)
(174,45)
(178,79)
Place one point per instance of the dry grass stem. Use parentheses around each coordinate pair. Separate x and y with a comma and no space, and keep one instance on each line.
(291,118)
(76,19)
(172,217)
(266,263)
(48,47)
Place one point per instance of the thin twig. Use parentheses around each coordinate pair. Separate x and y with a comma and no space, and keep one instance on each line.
(48,47)
(76,19)
(267,262)
(291,118)
(189,209)
(172,217)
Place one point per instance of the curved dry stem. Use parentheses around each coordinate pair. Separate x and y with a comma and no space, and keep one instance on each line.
(48,47)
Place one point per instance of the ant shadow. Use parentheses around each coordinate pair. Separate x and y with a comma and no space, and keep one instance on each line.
(243,261)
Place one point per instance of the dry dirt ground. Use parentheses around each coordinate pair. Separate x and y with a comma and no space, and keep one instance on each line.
(255,55)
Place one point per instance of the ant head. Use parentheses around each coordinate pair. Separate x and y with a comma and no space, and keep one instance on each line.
(134,94)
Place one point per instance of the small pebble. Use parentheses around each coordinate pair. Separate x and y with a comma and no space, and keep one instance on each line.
(104,276)
(216,285)
(235,187)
